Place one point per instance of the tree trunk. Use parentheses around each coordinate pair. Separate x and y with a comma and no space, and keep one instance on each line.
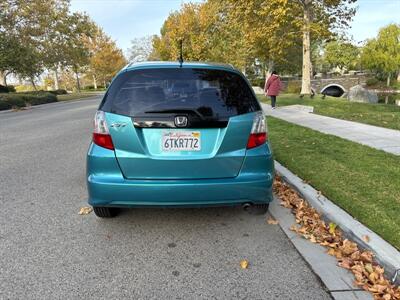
(33,83)
(56,79)
(270,68)
(268,71)
(3,78)
(388,85)
(78,84)
(94,82)
(388,80)
(306,72)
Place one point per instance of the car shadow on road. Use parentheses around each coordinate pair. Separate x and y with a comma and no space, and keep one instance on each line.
(165,220)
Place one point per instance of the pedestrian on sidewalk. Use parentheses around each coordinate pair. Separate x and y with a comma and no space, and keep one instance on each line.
(272,87)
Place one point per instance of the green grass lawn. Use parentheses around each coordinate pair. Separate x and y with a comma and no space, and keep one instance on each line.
(382,115)
(363,181)
(74,96)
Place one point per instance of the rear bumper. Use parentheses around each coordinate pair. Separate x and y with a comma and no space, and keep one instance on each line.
(172,193)
(107,186)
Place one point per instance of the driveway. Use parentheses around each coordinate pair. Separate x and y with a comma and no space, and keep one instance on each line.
(48,251)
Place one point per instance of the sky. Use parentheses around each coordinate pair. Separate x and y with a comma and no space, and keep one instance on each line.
(124,20)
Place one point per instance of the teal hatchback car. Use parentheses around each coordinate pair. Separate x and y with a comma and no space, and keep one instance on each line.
(172,134)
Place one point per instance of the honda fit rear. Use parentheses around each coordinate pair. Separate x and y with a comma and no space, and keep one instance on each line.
(179,135)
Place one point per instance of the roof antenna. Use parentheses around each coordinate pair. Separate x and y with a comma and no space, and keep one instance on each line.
(180,59)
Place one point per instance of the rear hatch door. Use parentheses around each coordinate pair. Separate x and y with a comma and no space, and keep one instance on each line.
(180,123)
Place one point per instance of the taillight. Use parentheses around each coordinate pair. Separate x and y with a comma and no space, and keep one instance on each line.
(101,135)
(258,134)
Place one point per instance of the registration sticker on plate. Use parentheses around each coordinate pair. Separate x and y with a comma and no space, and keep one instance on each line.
(181,141)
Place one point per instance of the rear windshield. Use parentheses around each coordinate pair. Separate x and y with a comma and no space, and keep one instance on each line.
(211,93)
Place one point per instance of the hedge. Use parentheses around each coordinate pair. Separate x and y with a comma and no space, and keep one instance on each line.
(5,105)
(91,88)
(260,82)
(59,92)
(41,92)
(293,87)
(17,100)
(7,89)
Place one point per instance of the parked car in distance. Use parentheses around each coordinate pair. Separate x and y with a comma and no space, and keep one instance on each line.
(168,134)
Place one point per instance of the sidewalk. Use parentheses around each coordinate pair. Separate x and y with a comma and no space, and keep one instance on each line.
(379,138)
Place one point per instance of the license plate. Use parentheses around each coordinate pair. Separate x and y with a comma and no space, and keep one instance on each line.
(181,141)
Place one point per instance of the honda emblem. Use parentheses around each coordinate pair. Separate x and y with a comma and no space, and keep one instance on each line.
(181,121)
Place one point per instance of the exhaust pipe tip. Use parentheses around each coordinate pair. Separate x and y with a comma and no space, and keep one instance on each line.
(247,206)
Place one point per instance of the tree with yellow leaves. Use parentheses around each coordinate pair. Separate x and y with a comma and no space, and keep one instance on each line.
(106,59)
(273,33)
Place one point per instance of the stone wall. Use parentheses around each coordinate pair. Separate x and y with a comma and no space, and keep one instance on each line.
(346,82)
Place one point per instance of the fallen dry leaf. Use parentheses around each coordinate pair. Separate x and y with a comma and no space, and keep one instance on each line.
(332,228)
(309,224)
(366,238)
(331,252)
(272,221)
(346,263)
(244,264)
(313,239)
(387,297)
(348,247)
(85,210)
(369,268)
(366,257)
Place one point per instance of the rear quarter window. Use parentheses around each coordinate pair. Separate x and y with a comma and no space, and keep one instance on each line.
(211,93)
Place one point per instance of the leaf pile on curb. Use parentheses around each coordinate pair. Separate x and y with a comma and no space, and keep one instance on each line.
(368,274)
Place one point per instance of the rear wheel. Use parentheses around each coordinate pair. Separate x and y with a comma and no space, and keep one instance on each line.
(105,212)
(259,209)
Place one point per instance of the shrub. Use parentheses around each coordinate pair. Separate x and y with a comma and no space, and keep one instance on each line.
(26,88)
(59,92)
(17,102)
(39,92)
(372,81)
(22,99)
(260,82)
(7,89)
(5,105)
(91,88)
(293,87)
(13,100)
(3,89)
(11,88)
(41,98)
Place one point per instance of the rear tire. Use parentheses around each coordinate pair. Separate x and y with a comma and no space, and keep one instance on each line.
(105,212)
(259,209)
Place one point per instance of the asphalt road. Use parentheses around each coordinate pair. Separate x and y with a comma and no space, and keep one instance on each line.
(48,251)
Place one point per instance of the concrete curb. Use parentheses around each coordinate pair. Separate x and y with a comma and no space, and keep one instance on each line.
(385,253)
(338,282)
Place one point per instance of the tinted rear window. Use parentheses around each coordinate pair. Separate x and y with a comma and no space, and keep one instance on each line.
(211,93)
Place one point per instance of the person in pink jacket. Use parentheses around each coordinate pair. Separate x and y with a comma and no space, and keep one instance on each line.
(272,87)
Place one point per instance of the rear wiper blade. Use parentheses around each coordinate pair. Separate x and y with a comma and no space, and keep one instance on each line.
(176,110)
(169,110)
